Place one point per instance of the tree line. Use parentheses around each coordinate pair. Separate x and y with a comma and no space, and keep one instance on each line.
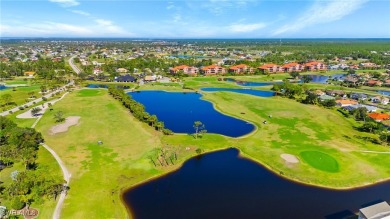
(138,110)
(33,183)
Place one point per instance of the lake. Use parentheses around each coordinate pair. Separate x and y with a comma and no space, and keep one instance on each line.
(179,111)
(259,93)
(250,83)
(224,185)
(106,86)
(322,79)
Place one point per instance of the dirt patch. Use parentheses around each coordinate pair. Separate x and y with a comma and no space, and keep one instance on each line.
(70,121)
(289,158)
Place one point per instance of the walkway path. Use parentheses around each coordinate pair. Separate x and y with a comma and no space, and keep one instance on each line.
(67,175)
(376,152)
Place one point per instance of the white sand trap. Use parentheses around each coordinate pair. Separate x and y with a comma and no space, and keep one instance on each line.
(289,158)
(70,121)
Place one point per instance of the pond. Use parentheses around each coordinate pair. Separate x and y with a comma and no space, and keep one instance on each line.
(250,83)
(259,93)
(224,185)
(384,92)
(106,86)
(179,111)
(3,87)
(323,79)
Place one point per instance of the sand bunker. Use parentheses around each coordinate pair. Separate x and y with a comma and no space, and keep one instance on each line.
(63,127)
(289,158)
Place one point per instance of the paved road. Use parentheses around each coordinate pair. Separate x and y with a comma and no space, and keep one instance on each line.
(48,95)
(74,67)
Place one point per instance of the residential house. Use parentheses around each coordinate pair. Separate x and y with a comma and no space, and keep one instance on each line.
(379,117)
(326,97)
(97,71)
(125,78)
(368,65)
(343,103)
(150,78)
(315,66)
(359,96)
(335,93)
(318,92)
(292,67)
(353,107)
(381,100)
(121,70)
(241,69)
(270,68)
(377,211)
(213,70)
(29,73)
(193,71)
(372,83)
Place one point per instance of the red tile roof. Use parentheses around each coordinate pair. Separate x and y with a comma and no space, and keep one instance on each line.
(211,66)
(266,66)
(289,65)
(379,116)
(238,66)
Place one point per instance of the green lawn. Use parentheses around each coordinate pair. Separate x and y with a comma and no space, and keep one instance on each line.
(20,94)
(320,161)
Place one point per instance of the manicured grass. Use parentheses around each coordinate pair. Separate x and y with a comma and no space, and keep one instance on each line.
(90,92)
(320,161)
(101,172)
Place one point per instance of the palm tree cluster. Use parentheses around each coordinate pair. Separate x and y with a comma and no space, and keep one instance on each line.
(138,110)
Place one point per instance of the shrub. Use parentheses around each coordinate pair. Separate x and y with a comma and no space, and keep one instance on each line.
(16,203)
(44,98)
(167,132)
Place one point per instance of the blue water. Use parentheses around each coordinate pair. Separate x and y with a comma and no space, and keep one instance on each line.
(106,86)
(179,111)
(249,83)
(224,185)
(322,79)
(258,93)
(383,92)
(2,87)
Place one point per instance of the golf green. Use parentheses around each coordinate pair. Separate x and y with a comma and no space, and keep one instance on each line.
(320,161)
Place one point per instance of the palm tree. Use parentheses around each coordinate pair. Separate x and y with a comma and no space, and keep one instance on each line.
(35,111)
(152,120)
(159,125)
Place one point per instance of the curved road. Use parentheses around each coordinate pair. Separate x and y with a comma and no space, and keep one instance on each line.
(74,67)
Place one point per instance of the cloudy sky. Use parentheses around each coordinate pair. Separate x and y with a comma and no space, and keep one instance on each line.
(195,18)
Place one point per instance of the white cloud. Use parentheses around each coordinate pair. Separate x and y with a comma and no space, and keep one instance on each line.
(45,29)
(66,3)
(48,29)
(177,18)
(81,12)
(110,28)
(219,7)
(243,28)
(322,12)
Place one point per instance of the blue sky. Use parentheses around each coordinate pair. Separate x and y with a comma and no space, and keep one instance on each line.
(196,18)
